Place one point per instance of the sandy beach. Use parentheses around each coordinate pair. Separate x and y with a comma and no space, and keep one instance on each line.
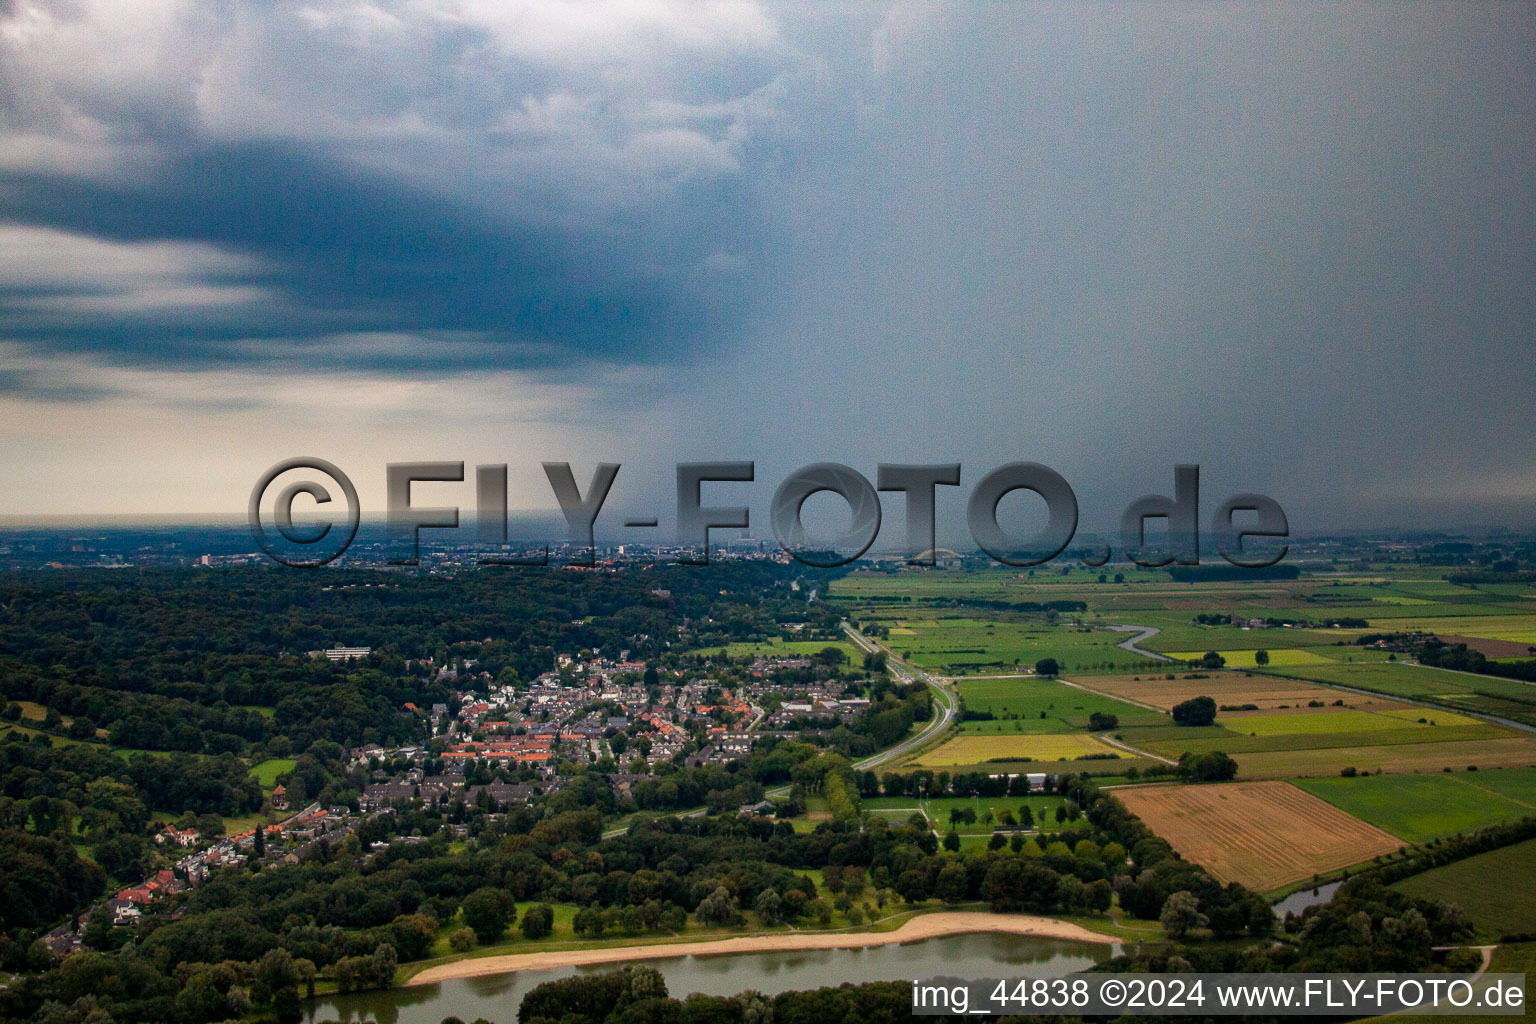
(925,926)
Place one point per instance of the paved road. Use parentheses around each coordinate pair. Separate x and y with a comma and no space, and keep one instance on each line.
(945,701)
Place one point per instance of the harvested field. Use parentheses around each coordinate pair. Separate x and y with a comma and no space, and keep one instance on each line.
(1323,721)
(1259,834)
(974,749)
(1268,692)
(1415,757)
(1489,647)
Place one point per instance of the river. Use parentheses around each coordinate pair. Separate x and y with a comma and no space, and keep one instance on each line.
(496,997)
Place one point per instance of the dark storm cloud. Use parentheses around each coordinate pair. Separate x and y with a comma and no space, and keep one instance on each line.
(1292,243)
(343,251)
(48,387)
(558,184)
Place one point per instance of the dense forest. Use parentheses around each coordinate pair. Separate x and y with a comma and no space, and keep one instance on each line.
(212,662)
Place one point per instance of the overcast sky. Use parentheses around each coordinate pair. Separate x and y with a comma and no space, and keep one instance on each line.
(1294,244)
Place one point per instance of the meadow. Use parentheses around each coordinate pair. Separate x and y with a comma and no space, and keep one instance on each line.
(1034,704)
(1418,808)
(786,649)
(1480,886)
(1409,758)
(960,644)
(899,808)
(267,771)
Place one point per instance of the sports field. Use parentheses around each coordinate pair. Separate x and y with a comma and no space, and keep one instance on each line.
(974,749)
(1481,886)
(1423,807)
(1259,834)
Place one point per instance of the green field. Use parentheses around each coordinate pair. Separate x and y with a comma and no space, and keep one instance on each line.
(267,772)
(1173,744)
(978,624)
(1321,723)
(1423,807)
(1280,657)
(897,808)
(1481,886)
(1033,704)
(962,645)
(786,649)
(1397,758)
(1507,698)
(971,749)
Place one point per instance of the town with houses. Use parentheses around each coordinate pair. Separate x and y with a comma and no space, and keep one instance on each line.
(579,715)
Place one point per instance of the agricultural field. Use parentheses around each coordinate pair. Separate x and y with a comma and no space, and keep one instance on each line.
(1481,886)
(1418,808)
(1490,695)
(1280,658)
(1033,704)
(1226,688)
(1327,721)
(1322,704)
(1514,752)
(1177,740)
(787,649)
(960,645)
(1259,834)
(969,749)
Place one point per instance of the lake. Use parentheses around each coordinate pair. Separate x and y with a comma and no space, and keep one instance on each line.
(496,997)
(1301,899)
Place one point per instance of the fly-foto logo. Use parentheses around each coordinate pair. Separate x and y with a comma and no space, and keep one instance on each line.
(324,542)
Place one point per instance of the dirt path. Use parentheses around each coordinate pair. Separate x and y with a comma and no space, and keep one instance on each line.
(1112,696)
(1105,737)
(925,926)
